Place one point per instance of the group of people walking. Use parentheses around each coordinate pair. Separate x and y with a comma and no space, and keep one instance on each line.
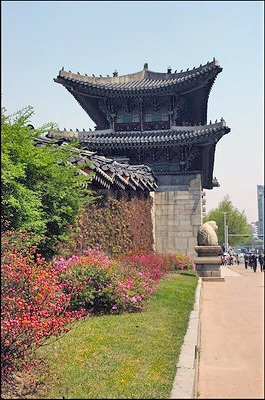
(230,260)
(251,260)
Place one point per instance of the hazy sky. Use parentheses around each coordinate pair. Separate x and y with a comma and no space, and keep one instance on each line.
(38,38)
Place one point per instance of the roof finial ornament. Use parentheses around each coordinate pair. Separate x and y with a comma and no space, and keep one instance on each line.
(216,121)
(64,129)
(200,65)
(84,130)
(115,73)
(93,75)
(181,70)
(169,69)
(62,68)
(210,122)
(70,71)
(78,72)
(77,130)
(100,76)
(214,59)
(176,71)
(145,65)
(107,75)
(85,74)
(187,69)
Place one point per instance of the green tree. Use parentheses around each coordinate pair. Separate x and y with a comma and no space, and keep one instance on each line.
(235,220)
(41,192)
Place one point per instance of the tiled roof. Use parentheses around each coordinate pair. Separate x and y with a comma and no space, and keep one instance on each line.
(109,173)
(124,139)
(140,82)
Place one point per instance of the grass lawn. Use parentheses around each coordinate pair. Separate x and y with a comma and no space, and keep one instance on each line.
(129,356)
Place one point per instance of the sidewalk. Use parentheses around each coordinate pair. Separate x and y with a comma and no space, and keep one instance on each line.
(231,349)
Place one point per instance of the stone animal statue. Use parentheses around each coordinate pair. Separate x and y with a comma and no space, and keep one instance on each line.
(207,234)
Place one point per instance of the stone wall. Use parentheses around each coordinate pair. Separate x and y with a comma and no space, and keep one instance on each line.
(177,216)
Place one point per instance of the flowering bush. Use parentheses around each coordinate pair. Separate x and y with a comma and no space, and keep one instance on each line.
(154,264)
(103,285)
(86,279)
(179,262)
(33,305)
(21,240)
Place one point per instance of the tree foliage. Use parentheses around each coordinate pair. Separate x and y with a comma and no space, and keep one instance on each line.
(235,220)
(41,192)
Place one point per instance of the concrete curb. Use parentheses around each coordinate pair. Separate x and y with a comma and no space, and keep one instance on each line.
(185,382)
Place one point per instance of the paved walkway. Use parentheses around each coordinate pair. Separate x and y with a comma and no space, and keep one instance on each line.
(231,362)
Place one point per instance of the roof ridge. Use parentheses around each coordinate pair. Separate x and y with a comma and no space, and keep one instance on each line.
(136,76)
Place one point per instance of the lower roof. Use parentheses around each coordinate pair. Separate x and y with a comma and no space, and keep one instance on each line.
(108,172)
(210,133)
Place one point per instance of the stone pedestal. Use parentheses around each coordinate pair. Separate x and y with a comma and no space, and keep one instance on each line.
(208,263)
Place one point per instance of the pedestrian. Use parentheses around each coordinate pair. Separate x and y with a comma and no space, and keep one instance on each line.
(237,259)
(261,262)
(254,262)
(246,259)
(250,262)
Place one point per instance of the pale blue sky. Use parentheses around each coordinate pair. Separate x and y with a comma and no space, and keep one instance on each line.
(38,38)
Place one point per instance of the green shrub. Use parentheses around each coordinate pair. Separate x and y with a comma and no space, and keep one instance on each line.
(41,191)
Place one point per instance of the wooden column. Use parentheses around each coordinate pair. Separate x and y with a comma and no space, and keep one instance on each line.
(140,102)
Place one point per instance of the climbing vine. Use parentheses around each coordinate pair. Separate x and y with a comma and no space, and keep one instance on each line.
(113,226)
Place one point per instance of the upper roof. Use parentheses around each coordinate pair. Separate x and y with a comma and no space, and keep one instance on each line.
(142,82)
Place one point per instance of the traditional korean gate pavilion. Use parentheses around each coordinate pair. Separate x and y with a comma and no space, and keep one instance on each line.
(159,120)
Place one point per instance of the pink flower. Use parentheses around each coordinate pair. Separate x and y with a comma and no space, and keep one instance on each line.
(133,299)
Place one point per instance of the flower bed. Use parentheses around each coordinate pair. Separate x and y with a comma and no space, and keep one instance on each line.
(41,300)
(34,306)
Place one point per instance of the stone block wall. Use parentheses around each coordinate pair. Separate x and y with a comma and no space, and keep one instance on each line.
(177,216)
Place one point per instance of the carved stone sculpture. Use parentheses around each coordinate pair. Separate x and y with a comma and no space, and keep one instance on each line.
(207,234)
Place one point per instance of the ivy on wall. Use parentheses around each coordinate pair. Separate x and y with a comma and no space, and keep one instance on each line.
(114,226)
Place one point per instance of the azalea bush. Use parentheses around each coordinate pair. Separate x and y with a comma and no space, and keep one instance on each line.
(180,262)
(103,285)
(86,279)
(22,241)
(155,265)
(34,306)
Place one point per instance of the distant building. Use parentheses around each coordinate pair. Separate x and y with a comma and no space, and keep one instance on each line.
(260,223)
(253,227)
